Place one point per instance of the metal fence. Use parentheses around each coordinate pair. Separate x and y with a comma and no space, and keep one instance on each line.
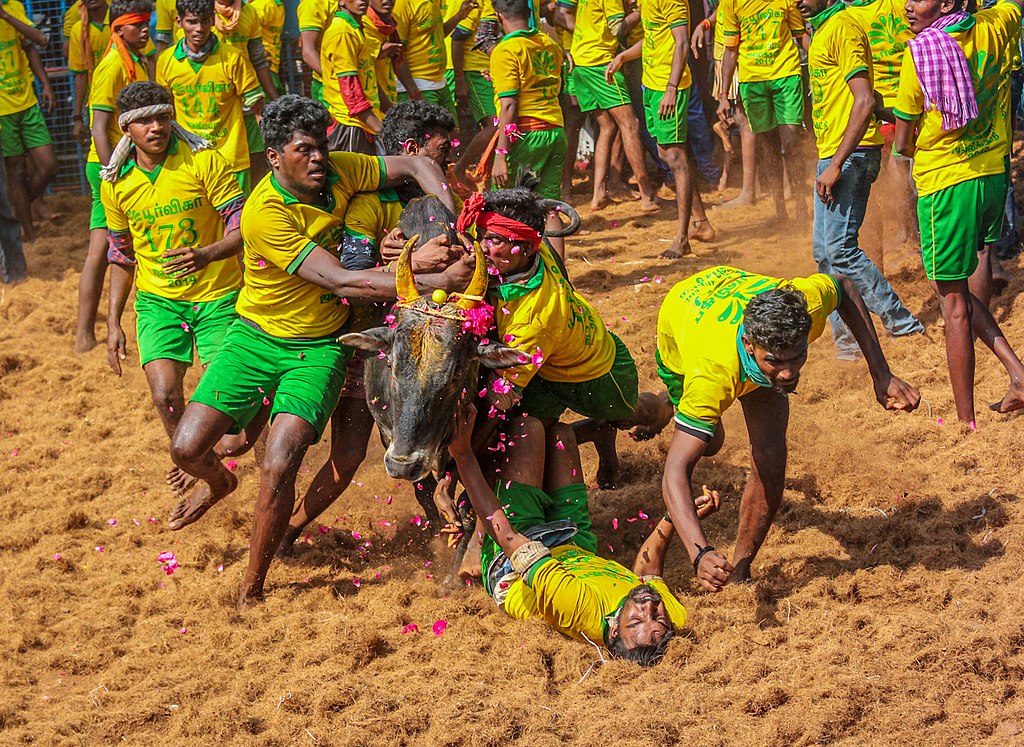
(48,15)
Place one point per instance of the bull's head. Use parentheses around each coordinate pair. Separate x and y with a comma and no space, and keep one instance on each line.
(427,358)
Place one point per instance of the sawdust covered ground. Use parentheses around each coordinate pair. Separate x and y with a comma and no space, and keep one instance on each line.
(887,606)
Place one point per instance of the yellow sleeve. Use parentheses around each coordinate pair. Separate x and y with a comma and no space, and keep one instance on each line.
(105,87)
(17,10)
(345,55)
(364,218)
(359,173)
(852,54)
(75,62)
(797,25)
(708,391)
(220,182)
(245,80)
(527,338)
(281,238)
(823,296)
(506,71)
(909,98)
(166,17)
(116,219)
(613,9)
(70,19)
(310,16)
(676,610)
(728,23)
(677,13)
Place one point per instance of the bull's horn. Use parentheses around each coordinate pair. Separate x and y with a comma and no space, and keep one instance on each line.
(569,212)
(405,285)
(474,293)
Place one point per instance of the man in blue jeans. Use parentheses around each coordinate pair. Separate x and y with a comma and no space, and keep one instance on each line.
(849,152)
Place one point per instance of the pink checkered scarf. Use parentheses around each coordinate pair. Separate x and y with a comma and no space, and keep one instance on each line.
(943,73)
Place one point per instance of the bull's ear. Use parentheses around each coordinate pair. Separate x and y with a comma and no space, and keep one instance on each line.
(374,339)
(493,355)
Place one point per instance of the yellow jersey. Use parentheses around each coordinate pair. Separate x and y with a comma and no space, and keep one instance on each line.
(699,328)
(279,233)
(249,26)
(764,31)
(592,40)
(579,594)
(658,18)
(947,158)
(421,27)
(108,79)
(839,50)
(70,19)
(370,215)
(271,15)
(545,319)
(474,60)
(16,79)
(209,96)
(344,52)
(885,24)
(315,15)
(175,206)
(528,65)
(383,67)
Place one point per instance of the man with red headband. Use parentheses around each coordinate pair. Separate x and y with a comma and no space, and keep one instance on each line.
(123,63)
(574,362)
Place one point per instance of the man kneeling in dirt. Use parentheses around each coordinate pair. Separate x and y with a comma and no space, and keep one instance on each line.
(540,556)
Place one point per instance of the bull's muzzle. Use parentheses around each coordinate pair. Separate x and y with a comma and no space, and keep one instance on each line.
(412,466)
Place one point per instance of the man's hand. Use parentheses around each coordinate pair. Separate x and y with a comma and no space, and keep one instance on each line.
(390,49)
(714,571)
(462,430)
(824,183)
(896,394)
(458,274)
(667,105)
(185,261)
(48,99)
(79,131)
(466,8)
(435,256)
(613,67)
(697,40)
(391,246)
(499,170)
(724,111)
(115,347)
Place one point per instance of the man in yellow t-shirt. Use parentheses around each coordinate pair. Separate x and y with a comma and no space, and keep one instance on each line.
(960,168)
(725,334)
(314,16)
(597,26)
(271,14)
(423,27)
(24,141)
(213,85)
(849,158)
(385,50)
(123,63)
(759,49)
(292,308)
(350,81)
(540,558)
(666,97)
(468,75)
(173,216)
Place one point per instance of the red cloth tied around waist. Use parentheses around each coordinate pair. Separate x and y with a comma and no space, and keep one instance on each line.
(474,214)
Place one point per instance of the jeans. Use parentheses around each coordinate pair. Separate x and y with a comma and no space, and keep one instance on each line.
(700,139)
(837,252)
(12,256)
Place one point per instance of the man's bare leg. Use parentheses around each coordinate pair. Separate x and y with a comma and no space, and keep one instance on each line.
(192,449)
(791,137)
(629,126)
(957,309)
(574,120)
(166,388)
(18,195)
(748,157)
(602,155)
(676,157)
(985,327)
(767,416)
(980,282)
(289,438)
(768,147)
(90,287)
(351,427)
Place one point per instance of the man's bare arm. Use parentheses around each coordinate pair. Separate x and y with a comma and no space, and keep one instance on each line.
(650,560)
(30,32)
(423,171)
(310,43)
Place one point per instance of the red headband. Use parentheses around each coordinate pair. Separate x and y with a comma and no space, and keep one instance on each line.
(130,18)
(473,213)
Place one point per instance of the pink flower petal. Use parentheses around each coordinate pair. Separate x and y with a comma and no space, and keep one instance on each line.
(439,627)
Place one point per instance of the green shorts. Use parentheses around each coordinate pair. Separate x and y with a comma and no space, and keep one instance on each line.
(568,82)
(244,179)
(543,152)
(316,90)
(958,221)
(168,328)
(304,377)
(441,97)
(671,131)
(527,506)
(253,135)
(23,131)
(481,94)
(594,92)
(609,397)
(97,215)
(770,103)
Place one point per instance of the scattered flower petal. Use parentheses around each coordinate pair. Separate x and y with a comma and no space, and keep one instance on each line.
(439,627)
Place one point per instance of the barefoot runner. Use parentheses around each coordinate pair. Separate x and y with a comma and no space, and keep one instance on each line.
(173,211)
(292,308)
(725,334)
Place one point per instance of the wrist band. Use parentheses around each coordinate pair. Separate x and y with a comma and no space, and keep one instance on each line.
(526,555)
(501,151)
(706,23)
(667,518)
(703,551)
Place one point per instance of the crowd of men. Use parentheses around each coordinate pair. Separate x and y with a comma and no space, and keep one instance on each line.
(260,231)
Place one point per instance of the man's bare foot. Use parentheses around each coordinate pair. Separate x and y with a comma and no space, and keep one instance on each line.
(600,202)
(653,412)
(722,130)
(742,200)
(650,206)
(179,480)
(702,230)
(622,191)
(678,249)
(470,566)
(248,598)
(1013,401)
(197,502)
(84,342)
(723,182)
(42,211)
